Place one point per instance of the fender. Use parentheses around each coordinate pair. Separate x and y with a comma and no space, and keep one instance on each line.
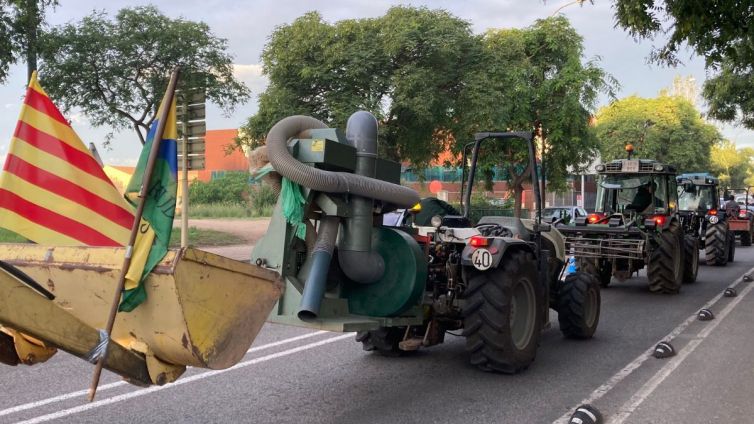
(497,247)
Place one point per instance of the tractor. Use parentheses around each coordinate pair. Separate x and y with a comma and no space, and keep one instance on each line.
(704,222)
(403,286)
(635,225)
(742,224)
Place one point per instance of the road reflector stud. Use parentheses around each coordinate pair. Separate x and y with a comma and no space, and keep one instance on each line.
(747,278)
(705,315)
(663,350)
(586,414)
(730,292)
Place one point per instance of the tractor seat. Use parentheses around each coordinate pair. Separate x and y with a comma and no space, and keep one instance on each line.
(514,224)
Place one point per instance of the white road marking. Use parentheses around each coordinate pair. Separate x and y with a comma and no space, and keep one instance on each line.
(646,390)
(186,380)
(108,386)
(602,390)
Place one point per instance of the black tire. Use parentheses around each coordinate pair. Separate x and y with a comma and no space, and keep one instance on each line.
(690,259)
(665,267)
(716,244)
(579,305)
(746,238)
(382,341)
(603,273)
(503,314)
(732,248)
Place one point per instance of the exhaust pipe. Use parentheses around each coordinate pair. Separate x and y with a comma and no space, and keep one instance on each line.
(355,255)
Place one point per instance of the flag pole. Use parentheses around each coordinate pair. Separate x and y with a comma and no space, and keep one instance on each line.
(167,101)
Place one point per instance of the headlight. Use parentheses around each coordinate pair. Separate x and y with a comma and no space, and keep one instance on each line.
(713,219)
(600,168)
(436,221)
(659,167)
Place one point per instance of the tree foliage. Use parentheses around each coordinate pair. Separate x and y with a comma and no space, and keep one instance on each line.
(531,78)
(116,70)
(407,67)
(20,23)
(731,165)
(666,128)
(720,31)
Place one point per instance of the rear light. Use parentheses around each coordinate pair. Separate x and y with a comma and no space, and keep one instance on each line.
(659,220)
(594,218)
(712,212)
(655,221)
(742,214)
(479,241)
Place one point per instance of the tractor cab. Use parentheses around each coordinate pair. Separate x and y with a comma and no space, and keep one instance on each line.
(630,189)
(698,193)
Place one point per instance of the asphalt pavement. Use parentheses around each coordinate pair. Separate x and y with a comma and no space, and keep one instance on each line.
(294,375)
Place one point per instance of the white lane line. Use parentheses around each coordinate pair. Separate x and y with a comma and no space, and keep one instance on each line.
(108,386)
(186,380)
(646,390)
(602,390)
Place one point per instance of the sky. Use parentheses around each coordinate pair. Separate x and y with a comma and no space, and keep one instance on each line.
(248,24)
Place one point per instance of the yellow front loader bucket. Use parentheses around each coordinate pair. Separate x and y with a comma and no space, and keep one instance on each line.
(202,310)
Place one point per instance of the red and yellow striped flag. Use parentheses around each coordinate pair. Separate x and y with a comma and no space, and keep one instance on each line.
(52,190)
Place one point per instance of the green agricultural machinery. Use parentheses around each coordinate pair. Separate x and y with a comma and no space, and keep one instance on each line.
(402,287)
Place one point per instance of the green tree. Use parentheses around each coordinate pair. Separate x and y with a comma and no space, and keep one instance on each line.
(407,67)
(535,78)
(20,24)
(720,31)
(116,71)
(732,166)
(666,128)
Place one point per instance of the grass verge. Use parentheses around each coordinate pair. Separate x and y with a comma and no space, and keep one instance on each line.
(11,237)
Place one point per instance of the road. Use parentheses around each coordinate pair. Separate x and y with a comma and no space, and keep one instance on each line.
(294,375)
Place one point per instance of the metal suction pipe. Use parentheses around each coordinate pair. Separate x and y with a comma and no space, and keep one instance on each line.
(316,283)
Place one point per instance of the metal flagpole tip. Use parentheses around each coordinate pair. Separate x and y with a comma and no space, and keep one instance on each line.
(705,315)
(663,350)
(730,292)
(586,414)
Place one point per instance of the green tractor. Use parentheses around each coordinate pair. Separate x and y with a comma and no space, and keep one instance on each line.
(636,225)
(704,221)
(402,287)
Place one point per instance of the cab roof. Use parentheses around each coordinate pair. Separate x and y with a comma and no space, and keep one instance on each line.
(635,166)
(698,178)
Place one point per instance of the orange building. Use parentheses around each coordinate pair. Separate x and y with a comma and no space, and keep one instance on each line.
(217,143)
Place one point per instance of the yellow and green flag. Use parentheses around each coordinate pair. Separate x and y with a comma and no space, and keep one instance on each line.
(159,209)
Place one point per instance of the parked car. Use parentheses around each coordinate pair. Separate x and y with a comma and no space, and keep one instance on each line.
(565,213)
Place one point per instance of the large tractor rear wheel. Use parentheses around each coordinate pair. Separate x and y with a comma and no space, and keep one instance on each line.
(382,341)
(665,268)
(732,248)
(579,305)
(601,269)
(716,244)
(690,259)
(502,316)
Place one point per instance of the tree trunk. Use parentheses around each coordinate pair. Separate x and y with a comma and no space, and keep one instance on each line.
(32,25)
(517,182)
(518,190)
